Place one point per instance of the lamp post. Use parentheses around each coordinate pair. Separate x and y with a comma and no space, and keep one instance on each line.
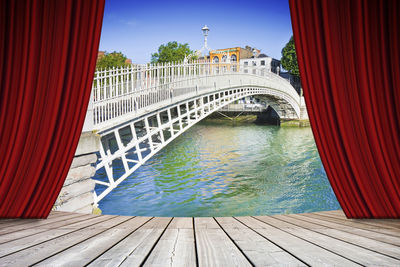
(205,31)
(205,47)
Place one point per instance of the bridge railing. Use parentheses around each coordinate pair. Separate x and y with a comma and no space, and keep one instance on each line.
(133,89)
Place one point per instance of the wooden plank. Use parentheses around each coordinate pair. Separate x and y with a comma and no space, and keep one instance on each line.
(15,222)
(181,223)
(357,223)
(83,253)
(394,223)
(133,249)
(4,221)
(333,213)
(383,223)
(43,250)
(18,221)
(347,236)
(88,222)
(338,213)
(206,223)
(371,233)
(259,250)
(37,223)
(214,248)
(308,252)
(176,246)
(341,224)
(352,252)
(32,240)
(57,213)
(36,230)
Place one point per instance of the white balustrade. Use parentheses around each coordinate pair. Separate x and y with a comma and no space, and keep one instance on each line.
(119,94)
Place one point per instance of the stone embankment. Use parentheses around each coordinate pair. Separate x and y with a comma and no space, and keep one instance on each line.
(77,192)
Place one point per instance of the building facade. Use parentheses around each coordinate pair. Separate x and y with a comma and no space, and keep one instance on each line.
(264,62)
(225,55)
(233,54)
(261,61)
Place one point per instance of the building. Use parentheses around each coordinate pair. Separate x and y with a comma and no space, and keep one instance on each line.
(264,62)
(261,61)
(247,56)
(221,55)
(233,54)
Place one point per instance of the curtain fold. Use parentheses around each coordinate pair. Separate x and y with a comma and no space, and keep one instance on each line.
(349,61)
(48,54)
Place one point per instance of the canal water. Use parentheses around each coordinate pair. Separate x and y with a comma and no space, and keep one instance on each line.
(220,169)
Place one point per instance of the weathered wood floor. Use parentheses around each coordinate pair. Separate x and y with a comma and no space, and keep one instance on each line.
(323,238)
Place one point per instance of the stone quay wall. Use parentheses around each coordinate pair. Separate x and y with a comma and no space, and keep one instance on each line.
(77,192)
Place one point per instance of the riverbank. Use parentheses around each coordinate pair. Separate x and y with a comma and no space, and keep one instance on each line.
(295,123)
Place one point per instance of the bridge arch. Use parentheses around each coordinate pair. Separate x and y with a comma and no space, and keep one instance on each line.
(138,111)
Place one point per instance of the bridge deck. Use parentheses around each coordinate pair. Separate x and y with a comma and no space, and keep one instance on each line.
(74,239)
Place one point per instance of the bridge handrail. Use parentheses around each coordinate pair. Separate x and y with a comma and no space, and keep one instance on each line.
(119,91)
(150,76)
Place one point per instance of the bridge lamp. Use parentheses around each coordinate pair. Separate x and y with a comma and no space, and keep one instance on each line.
(205,30)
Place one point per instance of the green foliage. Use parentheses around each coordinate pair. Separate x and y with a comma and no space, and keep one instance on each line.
(289,58)
(171,52)
(109,60)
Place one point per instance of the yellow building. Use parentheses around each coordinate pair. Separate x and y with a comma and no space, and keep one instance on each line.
(234,54)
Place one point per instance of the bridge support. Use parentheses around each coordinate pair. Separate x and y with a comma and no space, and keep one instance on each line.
(77,192)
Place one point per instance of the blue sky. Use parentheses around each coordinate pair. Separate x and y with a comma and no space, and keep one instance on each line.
(138,28)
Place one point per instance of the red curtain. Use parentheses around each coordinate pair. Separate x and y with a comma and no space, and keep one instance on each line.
(48,52)
(349,60)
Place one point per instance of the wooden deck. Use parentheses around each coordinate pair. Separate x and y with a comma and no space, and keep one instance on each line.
(322,238)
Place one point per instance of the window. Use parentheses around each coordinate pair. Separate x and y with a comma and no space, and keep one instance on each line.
(246,63)
(223,59)
(215,59)
(262,62)
(233,58)
(254,63)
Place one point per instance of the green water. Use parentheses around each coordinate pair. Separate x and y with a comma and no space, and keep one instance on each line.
(216,169)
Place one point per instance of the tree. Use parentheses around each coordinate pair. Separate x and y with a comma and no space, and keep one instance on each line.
(171,52)
(109,60)
(289,58)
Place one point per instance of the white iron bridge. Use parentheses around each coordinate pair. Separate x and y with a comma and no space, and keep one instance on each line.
(139,109)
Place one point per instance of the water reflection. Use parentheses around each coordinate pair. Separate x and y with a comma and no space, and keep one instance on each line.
(225,170)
